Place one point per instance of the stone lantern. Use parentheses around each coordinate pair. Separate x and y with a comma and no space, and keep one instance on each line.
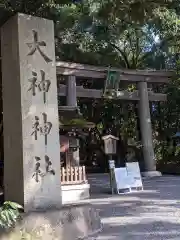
(72,125)
(73,144)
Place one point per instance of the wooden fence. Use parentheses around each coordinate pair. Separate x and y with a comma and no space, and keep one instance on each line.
(73,175)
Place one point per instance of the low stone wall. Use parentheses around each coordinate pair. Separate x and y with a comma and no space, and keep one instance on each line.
(69,223)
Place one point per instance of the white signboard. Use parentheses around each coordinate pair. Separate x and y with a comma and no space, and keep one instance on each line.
(111,164)
(122,180)
(134,174)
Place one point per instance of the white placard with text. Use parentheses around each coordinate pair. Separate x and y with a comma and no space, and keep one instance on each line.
(134,174)
(121,178)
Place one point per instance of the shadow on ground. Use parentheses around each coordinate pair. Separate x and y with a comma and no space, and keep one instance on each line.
(159,230)
(153,214)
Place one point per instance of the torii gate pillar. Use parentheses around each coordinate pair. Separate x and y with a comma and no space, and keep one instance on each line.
(71,100)
(146,132)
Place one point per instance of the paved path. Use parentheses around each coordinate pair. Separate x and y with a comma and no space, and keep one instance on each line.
(153,214)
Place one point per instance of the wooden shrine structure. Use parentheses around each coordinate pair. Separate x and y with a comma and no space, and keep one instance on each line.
(144,81)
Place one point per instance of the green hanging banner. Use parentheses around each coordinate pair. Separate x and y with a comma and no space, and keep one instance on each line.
(112,83)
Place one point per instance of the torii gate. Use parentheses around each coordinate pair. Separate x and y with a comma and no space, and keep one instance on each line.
(143,95)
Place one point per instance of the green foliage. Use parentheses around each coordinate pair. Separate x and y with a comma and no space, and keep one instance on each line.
(9,214)
(126,34)
(77,122)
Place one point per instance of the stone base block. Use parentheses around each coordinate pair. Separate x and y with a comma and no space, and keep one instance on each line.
(151,174)
(68,223)
(74,193)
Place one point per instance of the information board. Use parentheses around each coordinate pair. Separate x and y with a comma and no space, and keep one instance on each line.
(134,174)
(122,180)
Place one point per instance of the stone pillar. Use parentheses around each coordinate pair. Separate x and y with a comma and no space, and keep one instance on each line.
(71,97)
(146,132)
(30,111)
(71,100)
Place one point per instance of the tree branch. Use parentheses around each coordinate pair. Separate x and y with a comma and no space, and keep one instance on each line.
(125,59)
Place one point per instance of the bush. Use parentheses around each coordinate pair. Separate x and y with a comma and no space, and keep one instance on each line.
(9,214)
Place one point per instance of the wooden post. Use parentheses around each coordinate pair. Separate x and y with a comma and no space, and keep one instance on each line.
(146,131)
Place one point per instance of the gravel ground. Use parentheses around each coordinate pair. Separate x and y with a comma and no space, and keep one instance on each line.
(152,214)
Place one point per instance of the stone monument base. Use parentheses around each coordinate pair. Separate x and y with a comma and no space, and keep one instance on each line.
(150,174)
(74,193)
(69,223)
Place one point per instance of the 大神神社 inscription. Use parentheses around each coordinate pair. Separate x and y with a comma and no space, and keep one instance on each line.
(39,172)
(42,86)
(36,46)
(43,129)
